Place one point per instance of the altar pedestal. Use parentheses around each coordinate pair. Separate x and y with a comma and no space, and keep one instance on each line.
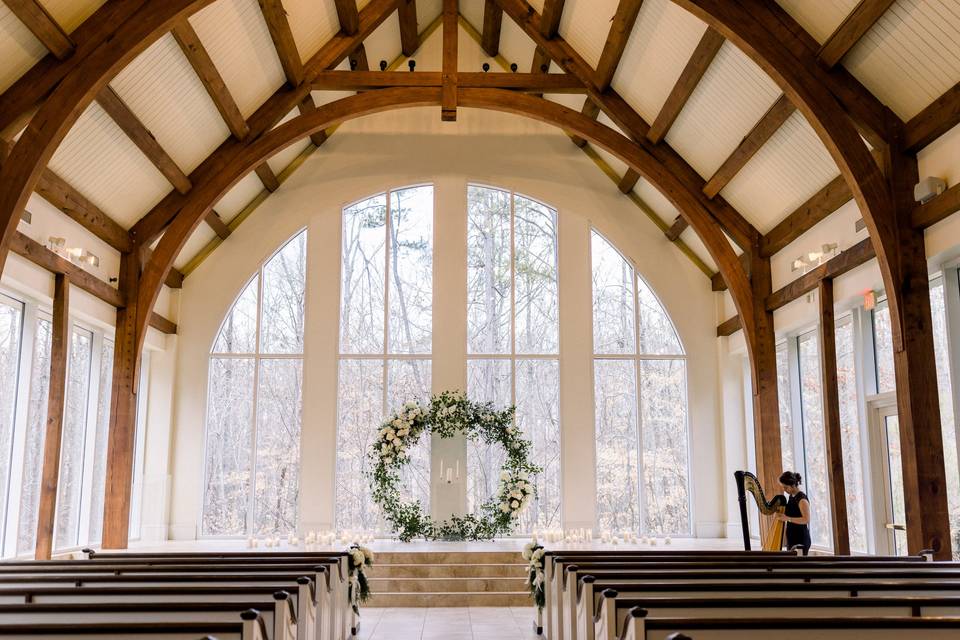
(448,498)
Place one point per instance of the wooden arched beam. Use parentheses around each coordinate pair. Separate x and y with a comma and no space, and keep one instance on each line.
(204,195)
(30,155)
(899,248)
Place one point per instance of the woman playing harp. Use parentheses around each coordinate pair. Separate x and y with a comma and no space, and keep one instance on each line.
(747,482)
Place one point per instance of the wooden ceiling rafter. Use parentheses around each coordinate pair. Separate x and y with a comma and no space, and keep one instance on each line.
(43,26)
(523,82)
(138,133)
(409,36)
(549,28)
(766,126)
(348,15)
(703,55)
(629,121)
(492,23)
(278,105)
(849,32)
(933,121)
(283,42)
(449,77)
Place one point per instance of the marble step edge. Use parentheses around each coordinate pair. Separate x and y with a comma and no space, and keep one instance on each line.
(443,557)
(427,571)
(448,585)
(466,599)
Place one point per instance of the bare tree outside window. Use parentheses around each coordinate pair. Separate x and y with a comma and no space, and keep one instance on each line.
(254,403)
(386,337)
(783,398)
(640,403)
(513,338)
(35,432)
(70,485)
(850,435)
(11,319)
(814,440)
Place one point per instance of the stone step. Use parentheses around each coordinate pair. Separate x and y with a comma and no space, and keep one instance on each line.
(447,571)
(469,599)
(446,585)
(448,557)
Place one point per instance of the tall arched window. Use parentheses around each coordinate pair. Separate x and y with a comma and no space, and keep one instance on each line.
(386,337)
(251,479)
(513,341)
(640,395)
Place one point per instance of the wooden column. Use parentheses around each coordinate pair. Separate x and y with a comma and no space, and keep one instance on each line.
(49,481)
(766,407)
(918,402)
(448,96)
(123,411)
(830,395)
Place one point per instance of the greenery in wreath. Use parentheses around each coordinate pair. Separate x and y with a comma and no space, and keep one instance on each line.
(449,413)
(359,587)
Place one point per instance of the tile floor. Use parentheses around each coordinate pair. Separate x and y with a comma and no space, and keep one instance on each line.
(454,623)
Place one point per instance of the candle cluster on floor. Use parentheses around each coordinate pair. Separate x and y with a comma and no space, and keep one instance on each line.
(581,536)
(313,540)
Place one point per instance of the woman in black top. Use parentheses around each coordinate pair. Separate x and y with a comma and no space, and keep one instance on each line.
(797,513)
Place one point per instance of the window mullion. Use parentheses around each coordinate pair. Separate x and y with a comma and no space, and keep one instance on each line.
(254,419)
(638,403)
(28,318)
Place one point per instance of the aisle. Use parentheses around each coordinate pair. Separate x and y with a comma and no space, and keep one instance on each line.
(453,623)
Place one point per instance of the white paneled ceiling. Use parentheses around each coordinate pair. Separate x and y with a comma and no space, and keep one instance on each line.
(792,166)
(312,23)
(69,14)
(659,47)
(911,56)
(238,41)
(819,17)
(731,97)
(201,236)
(161,88)
(99,160)
(585,25)
(238,197)
(19,50)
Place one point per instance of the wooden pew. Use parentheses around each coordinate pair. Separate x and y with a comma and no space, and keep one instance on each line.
(279,618)
(317,620)
(578,600)
(248,626)
(641,627)
(609,620)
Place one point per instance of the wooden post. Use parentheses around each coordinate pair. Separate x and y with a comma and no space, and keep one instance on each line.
(918,402)
(766,407)
(830,394)
(448,99)
(123,411)
(50,477)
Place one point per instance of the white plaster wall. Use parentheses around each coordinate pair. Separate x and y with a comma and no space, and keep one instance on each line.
(368,156)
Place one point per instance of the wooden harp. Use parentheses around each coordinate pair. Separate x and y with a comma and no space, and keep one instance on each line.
(746,481)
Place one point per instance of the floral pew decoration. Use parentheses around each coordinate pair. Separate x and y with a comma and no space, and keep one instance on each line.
(359,587)
(533,553)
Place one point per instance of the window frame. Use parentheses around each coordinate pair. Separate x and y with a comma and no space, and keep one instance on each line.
(257,356)
(513,356)
(637,357)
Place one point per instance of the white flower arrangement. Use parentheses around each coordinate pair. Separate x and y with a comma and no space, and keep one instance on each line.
(448,414)
(533,553)
(359,588)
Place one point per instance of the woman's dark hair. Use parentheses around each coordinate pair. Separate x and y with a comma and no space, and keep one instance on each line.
(790,479)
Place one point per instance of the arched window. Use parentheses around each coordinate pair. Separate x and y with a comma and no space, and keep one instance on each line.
(252,470)
(513,337)
(386,337)
(640,395)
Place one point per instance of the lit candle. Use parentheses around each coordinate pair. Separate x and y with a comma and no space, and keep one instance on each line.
(441,467)
(449,475)
(458,469)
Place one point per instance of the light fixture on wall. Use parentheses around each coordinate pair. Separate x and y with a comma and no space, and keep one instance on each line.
(815,258)
(76,255)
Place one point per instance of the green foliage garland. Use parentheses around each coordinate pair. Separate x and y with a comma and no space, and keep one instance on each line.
(448,414)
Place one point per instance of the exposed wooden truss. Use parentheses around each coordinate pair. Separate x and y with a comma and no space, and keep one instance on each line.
(42,25)
(946,204)
(407,15)
(549,27)
(771,121)
(696,66)
(117,109)
(854,27)
(78,208)
(39,255)
(935,120)
(492,22)
(276,18)
(449,78)
(523,82)
(620,29)
(778,45)
(348,15)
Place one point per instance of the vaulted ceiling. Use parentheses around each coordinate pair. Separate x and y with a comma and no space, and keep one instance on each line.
(708,105)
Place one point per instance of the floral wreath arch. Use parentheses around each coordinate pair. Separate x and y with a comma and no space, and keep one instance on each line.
(448,413)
